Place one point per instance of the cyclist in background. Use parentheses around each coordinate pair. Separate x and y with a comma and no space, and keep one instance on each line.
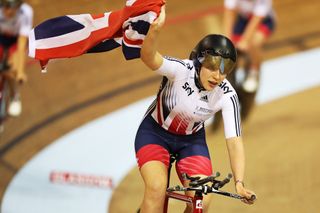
(190,93)
(16,19)
(249,23)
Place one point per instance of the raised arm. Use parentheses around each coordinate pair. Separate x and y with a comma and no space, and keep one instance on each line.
(149,54)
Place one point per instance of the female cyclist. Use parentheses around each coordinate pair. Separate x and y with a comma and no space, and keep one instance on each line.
(16,23)
(249,23)
(190,93)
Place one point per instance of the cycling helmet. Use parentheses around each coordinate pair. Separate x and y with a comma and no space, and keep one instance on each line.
(214,52)
(11,3)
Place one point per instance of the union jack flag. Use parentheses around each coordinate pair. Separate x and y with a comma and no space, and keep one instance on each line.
(74,35)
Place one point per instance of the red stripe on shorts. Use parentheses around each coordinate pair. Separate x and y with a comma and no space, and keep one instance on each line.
(194,165)
(152,152)
(265,30)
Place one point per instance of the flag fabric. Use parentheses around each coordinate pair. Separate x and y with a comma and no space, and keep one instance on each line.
(74,35)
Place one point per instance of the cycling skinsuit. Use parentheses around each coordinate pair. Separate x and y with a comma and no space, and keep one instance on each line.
(10,29)
(246,9)
(174,123)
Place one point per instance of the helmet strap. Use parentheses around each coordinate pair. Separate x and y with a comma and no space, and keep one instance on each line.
(197,79)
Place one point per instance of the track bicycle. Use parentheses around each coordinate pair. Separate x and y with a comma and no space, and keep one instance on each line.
(201,186)
(237,78)
(4,88)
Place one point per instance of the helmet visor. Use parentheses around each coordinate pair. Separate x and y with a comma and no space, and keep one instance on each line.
(224,65)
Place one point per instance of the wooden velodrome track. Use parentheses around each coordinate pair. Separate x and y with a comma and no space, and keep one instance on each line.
(281,137)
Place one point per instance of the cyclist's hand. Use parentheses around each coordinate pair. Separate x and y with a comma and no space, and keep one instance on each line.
(247,194)
(159,22)
(21,77)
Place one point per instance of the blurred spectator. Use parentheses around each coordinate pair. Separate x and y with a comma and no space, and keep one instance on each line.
(16,19)
(249,23)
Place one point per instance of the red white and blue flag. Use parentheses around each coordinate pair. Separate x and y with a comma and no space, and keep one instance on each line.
(74,35)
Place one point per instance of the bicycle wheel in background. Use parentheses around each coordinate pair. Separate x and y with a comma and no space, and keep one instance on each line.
(4,100)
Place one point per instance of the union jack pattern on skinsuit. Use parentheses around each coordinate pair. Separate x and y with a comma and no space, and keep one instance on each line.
(74,35)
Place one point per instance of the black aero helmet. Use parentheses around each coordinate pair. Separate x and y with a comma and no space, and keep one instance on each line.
(214,52)
(10,3)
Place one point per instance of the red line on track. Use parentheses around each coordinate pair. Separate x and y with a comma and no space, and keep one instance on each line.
(186,17)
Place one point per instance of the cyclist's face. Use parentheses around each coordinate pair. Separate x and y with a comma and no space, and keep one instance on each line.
(211,78)
(9,12)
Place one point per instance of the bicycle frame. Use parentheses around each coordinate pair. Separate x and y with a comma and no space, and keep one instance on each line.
(195,201)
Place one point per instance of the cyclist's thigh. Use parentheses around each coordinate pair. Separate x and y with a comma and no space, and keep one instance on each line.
(150,145)
(264,31)
(194,159)
(152,156)
(239,27)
